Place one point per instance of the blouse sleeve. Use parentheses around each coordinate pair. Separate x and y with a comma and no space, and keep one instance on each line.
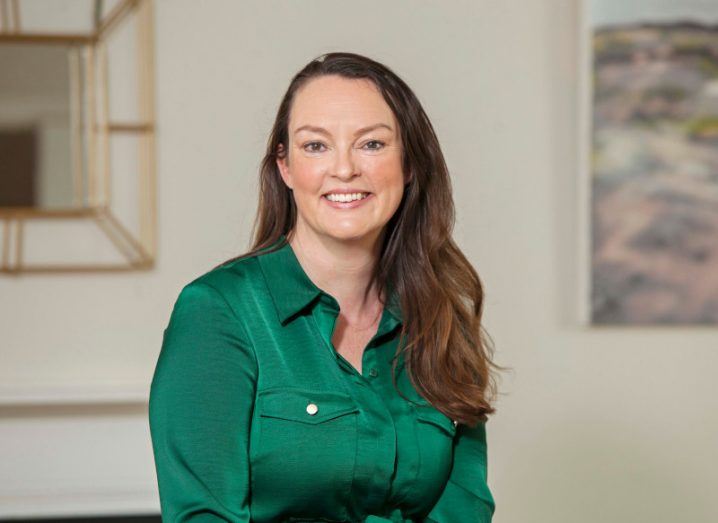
(466,496)
(200,407)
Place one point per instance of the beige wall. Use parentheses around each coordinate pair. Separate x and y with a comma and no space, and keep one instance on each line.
(595,425)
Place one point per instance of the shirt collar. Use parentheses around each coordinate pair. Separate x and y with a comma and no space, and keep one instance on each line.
(292,290)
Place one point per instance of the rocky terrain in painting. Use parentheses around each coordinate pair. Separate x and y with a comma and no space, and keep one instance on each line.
(655,175)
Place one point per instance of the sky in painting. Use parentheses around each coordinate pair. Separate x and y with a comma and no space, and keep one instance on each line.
(605,12)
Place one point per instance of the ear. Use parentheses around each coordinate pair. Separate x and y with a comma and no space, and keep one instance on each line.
(283,167)
(408,177)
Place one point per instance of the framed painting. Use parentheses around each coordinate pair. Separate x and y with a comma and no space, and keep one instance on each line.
(650,161)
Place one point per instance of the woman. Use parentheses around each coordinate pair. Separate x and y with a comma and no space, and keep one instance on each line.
(337,371)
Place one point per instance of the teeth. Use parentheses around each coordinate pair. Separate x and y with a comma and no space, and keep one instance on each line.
(340,197)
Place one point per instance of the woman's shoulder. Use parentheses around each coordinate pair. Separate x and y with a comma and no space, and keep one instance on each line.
(231,279)
(226,291)
(239,285)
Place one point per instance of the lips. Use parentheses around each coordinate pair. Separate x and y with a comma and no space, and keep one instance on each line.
(351,196)
(346,192)
(347,205)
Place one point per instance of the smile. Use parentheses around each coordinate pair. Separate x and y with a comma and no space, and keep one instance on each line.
(347,201)
(346,197)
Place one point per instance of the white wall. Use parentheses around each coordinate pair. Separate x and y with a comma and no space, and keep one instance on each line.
(594,425)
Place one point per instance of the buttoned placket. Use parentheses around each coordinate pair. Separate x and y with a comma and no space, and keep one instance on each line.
(376,432)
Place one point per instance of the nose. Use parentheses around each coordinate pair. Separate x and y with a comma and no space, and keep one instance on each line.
(344,166)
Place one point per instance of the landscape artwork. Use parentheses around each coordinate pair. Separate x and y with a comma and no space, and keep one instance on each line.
(653,162)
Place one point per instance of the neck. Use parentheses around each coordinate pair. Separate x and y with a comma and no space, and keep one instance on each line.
(341,268)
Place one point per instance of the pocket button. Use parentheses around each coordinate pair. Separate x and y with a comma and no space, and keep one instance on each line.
(312,409)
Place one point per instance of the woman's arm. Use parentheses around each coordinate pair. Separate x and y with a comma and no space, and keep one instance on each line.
(200,409)
(466,496)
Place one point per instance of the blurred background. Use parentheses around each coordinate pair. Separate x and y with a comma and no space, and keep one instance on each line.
(582,141)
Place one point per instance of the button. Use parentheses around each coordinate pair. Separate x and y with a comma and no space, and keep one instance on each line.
(455,423)
(373,372)
(312,409)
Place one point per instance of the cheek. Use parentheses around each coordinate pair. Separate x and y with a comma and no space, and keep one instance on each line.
(306,176)
(393,199)
(384,166)
(388,177)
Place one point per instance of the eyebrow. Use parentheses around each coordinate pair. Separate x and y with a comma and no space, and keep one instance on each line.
(321,130)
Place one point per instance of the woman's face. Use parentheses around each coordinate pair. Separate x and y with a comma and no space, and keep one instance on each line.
(343,137)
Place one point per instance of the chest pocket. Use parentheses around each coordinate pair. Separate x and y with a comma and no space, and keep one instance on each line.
(426,413)
(435,438)
(303,459)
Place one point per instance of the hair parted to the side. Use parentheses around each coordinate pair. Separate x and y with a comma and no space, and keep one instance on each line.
(446,352)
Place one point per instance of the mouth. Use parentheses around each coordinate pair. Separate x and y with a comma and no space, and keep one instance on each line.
(345,197)
(347,201)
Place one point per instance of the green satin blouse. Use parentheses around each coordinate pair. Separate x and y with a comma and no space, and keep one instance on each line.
(255,417)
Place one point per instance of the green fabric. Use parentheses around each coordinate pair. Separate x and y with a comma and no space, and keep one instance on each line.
(246,360)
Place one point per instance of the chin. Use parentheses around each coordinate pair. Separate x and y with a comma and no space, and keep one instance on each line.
(347,235)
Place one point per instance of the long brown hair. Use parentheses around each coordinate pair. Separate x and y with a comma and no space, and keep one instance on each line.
(447,354)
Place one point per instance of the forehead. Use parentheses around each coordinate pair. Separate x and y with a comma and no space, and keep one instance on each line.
(336,101)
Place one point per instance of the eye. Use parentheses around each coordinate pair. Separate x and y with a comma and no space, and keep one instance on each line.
(378,147)
(311,149)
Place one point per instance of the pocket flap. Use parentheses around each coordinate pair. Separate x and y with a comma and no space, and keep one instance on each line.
(429,414)
(303,405)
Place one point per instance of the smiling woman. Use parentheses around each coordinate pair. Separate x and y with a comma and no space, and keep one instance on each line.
(343,141)
(337,372)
